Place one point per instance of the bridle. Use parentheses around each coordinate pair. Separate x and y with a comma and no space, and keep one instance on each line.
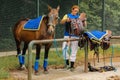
(51,19)
(51,22)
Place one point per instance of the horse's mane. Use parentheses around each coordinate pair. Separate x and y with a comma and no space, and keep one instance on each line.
(45,18)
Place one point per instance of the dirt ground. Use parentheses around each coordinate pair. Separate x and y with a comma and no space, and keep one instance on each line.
(78,74)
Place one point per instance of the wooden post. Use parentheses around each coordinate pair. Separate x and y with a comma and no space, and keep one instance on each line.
(86,56)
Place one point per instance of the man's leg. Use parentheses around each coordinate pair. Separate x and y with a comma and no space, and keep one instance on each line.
(65,48)
(74,48)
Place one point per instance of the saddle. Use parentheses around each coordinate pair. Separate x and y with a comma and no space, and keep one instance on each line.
(76,27)
(100,38)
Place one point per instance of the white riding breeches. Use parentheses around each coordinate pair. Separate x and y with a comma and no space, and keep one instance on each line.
(70,49)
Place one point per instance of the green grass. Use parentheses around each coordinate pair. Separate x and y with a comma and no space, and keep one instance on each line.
(4,74)
(11,62)
(6,64)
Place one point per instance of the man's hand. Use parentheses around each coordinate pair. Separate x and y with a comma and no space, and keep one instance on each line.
(68,20)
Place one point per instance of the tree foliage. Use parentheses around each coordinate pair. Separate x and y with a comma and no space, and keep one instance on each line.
(12,10)
(93,8)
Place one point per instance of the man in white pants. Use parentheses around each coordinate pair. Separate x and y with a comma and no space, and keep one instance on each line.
(71,54)
(73,45)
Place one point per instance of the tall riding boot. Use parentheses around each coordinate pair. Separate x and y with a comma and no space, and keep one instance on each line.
(72,66)
(66,64)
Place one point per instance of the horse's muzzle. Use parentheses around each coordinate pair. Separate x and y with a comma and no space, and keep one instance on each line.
(51,29)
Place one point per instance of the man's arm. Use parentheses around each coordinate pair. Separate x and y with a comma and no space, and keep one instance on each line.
(65,19)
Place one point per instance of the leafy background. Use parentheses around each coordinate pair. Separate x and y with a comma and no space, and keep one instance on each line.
(12,10)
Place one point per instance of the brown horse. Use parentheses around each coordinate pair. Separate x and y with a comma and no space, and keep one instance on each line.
(46,31)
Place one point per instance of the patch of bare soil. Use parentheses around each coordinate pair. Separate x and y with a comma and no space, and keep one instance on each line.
(58,73)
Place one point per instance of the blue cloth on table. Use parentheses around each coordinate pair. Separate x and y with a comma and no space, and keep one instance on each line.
(96,35)
(33,24)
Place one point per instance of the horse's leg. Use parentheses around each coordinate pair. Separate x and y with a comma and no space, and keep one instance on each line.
(45,64)
(22,56)
(18,47)
(36,64)
(19,51)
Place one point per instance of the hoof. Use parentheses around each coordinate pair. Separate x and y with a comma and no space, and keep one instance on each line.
(22,67)
(37,73)
(45,72)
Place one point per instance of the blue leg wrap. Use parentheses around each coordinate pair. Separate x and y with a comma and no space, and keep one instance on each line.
(36,65)
(23,59)
(45,63)
(20,58)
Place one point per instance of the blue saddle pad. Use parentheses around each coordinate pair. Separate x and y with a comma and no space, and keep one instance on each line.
(33,24)
(96,35)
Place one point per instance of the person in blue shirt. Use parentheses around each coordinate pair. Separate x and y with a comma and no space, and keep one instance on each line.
(72,46)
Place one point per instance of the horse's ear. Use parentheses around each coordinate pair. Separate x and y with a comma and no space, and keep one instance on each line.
(49,8)
(58,8)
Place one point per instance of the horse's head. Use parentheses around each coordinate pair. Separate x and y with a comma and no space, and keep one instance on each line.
(53,17)
(105,44)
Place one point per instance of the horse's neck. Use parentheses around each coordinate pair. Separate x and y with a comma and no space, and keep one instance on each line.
(43,27)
